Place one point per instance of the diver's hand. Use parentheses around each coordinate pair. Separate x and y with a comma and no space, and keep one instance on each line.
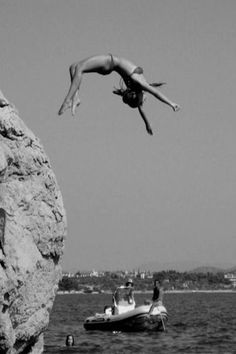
(149,130)
(175,107)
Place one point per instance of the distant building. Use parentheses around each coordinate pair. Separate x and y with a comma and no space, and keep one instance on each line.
(68,275)
(232,278)
(94,273)
(185,285)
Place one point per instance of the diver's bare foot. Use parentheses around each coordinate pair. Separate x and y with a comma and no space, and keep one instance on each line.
(73,107)
(75,103)
(64,107)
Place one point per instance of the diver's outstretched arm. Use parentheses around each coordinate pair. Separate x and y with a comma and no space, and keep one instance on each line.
(146,122)
(153,91)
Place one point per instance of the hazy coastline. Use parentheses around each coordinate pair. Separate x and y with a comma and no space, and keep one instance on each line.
(60,292)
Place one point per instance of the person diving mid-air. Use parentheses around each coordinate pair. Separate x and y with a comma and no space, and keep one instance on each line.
(132,92)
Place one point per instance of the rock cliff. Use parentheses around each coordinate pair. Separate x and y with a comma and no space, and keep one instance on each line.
(32,232)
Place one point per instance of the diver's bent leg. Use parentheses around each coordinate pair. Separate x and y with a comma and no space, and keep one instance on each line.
(72,70)
(75,84)
(75,99)
(75,102)
(65,105)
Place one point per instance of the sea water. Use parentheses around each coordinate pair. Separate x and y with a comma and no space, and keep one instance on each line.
(203,323)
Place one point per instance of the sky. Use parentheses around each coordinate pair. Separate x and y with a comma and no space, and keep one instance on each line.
(131,198)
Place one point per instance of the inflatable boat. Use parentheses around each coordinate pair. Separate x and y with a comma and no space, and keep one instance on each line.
(125,317)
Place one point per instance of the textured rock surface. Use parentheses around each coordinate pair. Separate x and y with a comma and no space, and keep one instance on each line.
(34,236)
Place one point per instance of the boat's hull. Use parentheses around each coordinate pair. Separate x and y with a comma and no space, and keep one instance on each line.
(137,320)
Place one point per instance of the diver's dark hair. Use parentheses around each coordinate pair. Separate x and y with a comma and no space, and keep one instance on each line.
(130,97)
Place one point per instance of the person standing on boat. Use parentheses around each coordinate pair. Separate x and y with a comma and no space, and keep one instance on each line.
(158,291)
(130,285)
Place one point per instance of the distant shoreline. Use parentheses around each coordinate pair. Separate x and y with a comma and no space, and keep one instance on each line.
(60,292)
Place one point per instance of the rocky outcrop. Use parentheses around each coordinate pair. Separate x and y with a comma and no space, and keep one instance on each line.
(31,236)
